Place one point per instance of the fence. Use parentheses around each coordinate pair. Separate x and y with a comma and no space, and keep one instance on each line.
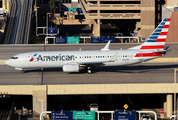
(86,39)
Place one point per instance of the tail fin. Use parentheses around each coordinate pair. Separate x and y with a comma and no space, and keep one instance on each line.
(157,38)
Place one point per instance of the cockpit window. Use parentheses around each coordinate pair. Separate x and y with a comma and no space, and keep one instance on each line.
(14,57)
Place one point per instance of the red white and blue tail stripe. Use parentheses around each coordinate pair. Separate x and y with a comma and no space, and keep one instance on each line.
(157,39)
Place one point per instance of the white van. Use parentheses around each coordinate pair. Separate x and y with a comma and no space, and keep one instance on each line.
(93,107)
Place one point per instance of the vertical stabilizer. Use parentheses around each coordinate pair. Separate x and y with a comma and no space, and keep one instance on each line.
(157,38)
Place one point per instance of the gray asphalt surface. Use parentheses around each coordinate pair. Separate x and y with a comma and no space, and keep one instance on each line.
(139,73)
(161,72)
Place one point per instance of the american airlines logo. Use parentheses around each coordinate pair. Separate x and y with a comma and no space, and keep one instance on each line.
(33,57)
(56,58)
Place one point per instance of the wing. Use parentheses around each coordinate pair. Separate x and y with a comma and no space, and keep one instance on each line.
(92,64)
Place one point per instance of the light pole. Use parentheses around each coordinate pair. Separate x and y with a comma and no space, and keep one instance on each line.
(36,13)
(47,24)
(175,92)
(41,104)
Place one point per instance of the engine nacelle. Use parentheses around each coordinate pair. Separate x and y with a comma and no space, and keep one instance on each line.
(70,68)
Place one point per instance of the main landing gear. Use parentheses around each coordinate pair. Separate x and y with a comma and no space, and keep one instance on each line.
(89,70)
(22,71)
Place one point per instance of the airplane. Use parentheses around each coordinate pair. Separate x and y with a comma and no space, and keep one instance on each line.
(74,61)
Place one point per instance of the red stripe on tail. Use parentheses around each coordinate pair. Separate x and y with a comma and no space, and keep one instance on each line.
(161,40)
(166,26)
(148,54)
(163,33)
(169,19)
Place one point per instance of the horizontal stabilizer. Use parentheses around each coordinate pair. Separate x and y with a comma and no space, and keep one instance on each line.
(166,47)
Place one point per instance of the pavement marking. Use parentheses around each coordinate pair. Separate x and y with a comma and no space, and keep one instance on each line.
(165,60)
(2,62)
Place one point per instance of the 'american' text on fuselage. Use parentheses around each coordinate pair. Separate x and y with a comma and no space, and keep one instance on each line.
(56,58)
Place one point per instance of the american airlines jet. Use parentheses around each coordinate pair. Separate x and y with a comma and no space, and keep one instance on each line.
(73,61)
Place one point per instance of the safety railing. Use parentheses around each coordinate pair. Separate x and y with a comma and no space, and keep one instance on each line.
(87,39)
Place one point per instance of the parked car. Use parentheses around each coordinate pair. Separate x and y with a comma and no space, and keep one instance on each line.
(172,117)
(146,117)
(93,107)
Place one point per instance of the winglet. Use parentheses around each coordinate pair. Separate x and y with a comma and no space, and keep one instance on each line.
(114,57)
(106,46)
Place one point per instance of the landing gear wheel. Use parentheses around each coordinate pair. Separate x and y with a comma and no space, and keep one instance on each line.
(89,71)
(22,71)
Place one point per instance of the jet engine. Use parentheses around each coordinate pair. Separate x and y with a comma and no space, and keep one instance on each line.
(70,68)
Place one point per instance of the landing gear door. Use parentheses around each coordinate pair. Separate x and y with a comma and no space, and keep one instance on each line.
(140,56)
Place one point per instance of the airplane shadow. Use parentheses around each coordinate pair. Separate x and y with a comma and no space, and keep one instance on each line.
(138,68)
(119,69)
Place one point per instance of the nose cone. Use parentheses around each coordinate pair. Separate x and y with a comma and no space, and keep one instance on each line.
(8,62)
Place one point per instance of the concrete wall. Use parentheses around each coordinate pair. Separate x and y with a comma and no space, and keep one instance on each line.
(169,105)
(173,28)
(147,17)
(89,89)
(172,3)
(40,92)
(111,89)
(166,13)
(39,98)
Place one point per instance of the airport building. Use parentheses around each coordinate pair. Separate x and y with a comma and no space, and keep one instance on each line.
(130,16)
(170,10)
(142,15)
